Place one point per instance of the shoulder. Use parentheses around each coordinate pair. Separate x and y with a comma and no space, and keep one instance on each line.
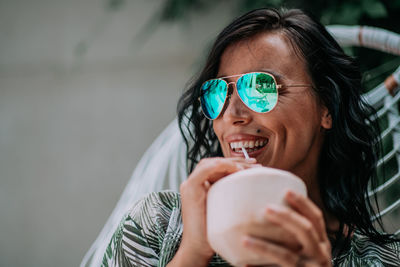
(153,216)
(144,230)
(364,252)
(156,204)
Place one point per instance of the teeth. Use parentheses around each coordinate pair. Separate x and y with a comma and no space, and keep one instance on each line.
(250,145)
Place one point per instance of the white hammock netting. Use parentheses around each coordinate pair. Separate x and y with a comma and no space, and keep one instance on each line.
(163,166)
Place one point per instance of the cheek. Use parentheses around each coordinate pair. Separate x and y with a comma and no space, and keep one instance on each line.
(295,118)
(304,114)
(302,126)
(217,127)
(295,130)
(302,130)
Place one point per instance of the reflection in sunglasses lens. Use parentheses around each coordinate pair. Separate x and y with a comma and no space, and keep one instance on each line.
(257,91)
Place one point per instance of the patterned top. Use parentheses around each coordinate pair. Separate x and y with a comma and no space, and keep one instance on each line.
(149,235)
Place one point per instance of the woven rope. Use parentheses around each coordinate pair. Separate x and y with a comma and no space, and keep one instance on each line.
(370,37)
(384,98)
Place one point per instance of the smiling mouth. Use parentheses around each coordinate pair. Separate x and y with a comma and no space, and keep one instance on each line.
(249,145)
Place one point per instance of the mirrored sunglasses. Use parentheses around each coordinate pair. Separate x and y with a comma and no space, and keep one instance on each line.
(257,90)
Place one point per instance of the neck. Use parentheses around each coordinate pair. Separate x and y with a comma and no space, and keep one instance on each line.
(309,176)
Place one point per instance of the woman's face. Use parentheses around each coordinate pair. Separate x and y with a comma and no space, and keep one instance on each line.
(291,135)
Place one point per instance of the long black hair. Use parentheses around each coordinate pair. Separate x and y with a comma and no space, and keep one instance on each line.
(349,155)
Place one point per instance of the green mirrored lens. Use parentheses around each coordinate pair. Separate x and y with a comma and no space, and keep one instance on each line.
(258,91)
(213,95)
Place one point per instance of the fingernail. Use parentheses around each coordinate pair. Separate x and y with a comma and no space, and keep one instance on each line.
(207,184)
(272,210)
(248,241)
(291,194)
(251,160)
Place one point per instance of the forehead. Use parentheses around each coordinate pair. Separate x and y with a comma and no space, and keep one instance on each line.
(263,52)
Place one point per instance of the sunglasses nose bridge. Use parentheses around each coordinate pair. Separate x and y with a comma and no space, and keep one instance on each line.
(231,88)
(231,92)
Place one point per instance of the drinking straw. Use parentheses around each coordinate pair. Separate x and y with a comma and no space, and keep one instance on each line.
(245,153)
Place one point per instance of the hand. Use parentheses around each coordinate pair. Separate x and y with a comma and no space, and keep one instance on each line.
(193,191)
(305,222)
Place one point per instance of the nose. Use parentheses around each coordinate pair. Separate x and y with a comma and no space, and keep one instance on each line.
(236,111)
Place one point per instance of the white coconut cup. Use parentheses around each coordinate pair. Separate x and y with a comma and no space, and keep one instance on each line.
(241,196)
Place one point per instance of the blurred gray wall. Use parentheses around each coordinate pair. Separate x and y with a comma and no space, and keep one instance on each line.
(80,101)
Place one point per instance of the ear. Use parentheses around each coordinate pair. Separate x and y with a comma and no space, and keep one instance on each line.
(326,118)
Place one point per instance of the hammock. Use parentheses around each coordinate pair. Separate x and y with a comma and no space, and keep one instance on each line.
(385,99)
(163,166)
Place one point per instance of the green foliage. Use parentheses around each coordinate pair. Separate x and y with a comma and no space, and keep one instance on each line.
(247,5)
(374,8)
(380,13)
(174,10)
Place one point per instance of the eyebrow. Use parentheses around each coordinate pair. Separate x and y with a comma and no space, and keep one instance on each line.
(275,74)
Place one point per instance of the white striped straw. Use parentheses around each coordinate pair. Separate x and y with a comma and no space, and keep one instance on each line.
(245,153)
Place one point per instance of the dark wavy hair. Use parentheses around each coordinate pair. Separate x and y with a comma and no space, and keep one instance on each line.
(349,155)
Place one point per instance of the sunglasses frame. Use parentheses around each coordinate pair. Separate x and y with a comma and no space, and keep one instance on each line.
(228,95)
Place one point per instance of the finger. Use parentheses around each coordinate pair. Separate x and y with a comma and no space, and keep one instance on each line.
(269,252)
(326,249)
(213,169)
(261,228)
(251,162)
(298,226)
(240,159)
(308,209)
(210,170)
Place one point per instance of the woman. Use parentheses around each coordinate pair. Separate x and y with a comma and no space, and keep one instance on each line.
(318,128)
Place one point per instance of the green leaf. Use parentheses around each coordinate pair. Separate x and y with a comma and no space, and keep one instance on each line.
(348,14)
(247,5)
(327,16)
(348,51)
(374,9)
(394,4)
